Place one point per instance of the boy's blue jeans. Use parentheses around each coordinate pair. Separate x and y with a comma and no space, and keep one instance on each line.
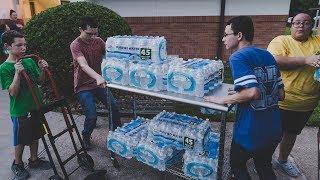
(87,101)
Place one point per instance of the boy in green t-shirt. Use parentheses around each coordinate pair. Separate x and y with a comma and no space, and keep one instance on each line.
(27,128)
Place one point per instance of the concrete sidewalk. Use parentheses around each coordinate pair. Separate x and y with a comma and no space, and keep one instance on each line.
(304,152)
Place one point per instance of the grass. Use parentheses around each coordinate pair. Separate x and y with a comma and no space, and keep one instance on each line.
(314,119)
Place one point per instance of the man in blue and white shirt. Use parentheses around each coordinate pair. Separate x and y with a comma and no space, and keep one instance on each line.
(258,88)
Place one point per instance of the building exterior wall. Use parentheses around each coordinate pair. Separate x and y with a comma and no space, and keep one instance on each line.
(196,36)
(191,27)
(22,7)
(151,8)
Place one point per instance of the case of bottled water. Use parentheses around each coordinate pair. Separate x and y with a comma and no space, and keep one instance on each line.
(211,144)
(145,47)
(162,141)
(157,155)
(148,75)
(198,166)
(180,131)
(115,70)
(124,139)
(195,76)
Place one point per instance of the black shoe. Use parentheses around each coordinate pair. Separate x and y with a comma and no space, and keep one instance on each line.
(87,142)
(19,171)
(40,163)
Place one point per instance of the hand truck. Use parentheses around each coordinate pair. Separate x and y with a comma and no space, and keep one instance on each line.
(84,159)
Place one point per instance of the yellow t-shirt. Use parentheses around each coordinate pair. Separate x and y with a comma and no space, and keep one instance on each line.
(302,91)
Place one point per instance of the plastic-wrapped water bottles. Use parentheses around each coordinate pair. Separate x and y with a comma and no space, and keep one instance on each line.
(115,70)
(157,155)
(162,141)
(180,131)
(145,47)
(124,139)
(211,144)
(199,166)
(148,75)
(195,76)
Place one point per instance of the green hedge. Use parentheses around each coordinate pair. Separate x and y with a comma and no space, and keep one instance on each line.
(50,33)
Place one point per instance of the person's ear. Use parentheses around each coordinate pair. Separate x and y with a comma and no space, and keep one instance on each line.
(240,36)
(7,46)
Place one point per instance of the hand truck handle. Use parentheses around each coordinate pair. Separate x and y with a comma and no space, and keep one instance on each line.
(47,71)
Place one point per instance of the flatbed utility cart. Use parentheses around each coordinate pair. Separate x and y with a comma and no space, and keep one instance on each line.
(84,159)
(197,101)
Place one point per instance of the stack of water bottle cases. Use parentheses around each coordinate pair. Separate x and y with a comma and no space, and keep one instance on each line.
(142,62)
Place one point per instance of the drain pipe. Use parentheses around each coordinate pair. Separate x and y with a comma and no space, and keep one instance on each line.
(221,29)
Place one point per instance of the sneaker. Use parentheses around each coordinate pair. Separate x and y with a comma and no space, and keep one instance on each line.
(87,142)
(289,168)
(19,171)
(255,170)
(40,163)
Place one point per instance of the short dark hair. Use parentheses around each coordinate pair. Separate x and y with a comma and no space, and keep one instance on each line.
(2,28)
(244,25)
(12,11)
(88,21)
(8,36)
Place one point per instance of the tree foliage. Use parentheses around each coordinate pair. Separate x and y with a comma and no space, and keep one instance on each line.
(51,32)
(297,6)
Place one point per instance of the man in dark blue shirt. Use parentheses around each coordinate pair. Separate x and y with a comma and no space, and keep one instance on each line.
(258,87)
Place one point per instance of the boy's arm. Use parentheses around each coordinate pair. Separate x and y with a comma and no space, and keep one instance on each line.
(295,62)
(42,64)
(245,95)
(14,88)
(87,69)
(278,47)
(81,60)
(281,94)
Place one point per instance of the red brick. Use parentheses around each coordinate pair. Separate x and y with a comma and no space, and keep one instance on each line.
(196,36)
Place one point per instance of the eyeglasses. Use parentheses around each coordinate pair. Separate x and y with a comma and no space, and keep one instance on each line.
(297,24)
(225,34)
(19,45)
(91,34)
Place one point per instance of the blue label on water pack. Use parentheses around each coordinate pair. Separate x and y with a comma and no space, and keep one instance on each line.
(187,77)
(116,70)
(152,78)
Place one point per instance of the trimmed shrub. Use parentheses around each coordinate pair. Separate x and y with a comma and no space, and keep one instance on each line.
(50,33)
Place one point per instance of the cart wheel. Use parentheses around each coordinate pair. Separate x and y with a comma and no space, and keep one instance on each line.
(55,177)
(114,161)
(198,170)
(86,161)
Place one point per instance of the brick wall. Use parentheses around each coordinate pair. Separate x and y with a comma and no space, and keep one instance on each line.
(196,36)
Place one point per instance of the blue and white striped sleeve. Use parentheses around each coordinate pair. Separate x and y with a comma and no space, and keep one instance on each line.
(242,73)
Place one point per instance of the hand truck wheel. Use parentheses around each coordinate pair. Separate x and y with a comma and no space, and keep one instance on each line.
(114,161)
(86,161)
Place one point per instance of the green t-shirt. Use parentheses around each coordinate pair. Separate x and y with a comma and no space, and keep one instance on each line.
(23,103)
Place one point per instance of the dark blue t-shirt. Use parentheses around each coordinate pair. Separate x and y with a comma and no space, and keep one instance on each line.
(257,122)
